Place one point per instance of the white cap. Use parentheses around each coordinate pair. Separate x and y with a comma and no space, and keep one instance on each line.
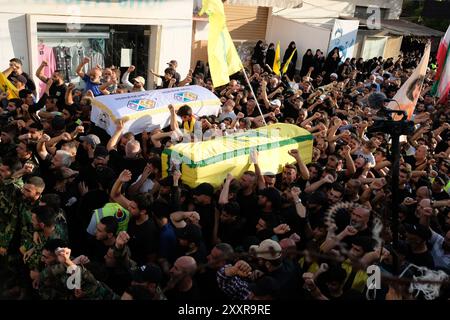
(276,102)
(334,75)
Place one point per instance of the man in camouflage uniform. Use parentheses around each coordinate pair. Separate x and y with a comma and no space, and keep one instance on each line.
(15,228)
(15,221)
(43,219)
(55,280)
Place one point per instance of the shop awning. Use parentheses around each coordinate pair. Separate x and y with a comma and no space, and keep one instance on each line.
(268,3)
(405,28)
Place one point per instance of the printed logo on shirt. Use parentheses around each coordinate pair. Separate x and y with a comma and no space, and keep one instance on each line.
(185,96)
(119,215)
(141,105)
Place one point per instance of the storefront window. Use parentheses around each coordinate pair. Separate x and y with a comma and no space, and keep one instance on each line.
(116,46)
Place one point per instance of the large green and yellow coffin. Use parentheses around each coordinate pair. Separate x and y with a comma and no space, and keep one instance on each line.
(210,161)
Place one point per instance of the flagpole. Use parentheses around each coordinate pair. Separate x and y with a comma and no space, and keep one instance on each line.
(256,98)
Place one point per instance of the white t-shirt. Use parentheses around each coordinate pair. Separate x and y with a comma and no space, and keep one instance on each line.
(367,156)
(147,186)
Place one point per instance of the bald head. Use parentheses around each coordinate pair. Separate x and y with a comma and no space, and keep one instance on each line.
(186,265)
(360,218)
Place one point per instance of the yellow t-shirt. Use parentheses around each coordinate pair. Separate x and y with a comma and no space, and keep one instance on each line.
(8,87)
(360,281)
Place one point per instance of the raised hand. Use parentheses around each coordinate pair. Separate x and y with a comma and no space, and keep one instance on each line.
(242,269)
(295,192)
(86,60)
(122,239)
(350,231)
(281,229)
(125,176)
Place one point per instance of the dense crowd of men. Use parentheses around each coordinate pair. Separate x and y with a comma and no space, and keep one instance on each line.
(85,215)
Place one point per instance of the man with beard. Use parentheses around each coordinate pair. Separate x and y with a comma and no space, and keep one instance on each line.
(15,222)
(270,261)
(248,200)
(141,227)
(205,206)
(358,227)
(190,242)
(105,235)
(168,199)
(220,255)
(181,286)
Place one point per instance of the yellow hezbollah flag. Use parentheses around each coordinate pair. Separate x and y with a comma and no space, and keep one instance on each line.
(222,55)
(211,160)
(277,62)
(8,87)
(286,65)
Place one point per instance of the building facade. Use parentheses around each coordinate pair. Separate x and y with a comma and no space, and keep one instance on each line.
(147,33)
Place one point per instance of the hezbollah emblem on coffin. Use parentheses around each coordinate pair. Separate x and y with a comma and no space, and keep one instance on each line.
(141,104)
(186,96)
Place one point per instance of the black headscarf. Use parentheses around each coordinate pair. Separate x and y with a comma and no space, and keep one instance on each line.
(259,54)
(270,55)
(289,51)
(308,61)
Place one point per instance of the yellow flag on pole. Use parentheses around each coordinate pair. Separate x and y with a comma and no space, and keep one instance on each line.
(277,62)
(222,54)
(286,65)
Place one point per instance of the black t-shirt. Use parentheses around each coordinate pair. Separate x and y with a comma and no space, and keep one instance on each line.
(209,289)
(192,294)
(232,233)
(59,91)
(421,259)
(249,210)
(119,163)
(143,240)
(441,196)
(207,216)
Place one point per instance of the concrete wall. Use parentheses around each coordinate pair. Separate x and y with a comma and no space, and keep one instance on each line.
(13,43)
(305,36)
(174,18)
(314,9)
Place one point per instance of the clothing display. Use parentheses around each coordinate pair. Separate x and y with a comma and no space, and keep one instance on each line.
(46,54)
(66,56)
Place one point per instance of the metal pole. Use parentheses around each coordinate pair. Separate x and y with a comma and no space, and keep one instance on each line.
(395,192)
(256,99)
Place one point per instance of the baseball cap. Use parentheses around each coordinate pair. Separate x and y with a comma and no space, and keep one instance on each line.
(191,233)
(267,249)
(276,102)
(205,189)
(140,80)
(147,273)
(269,174)
(265,286)
(172,62)
(334,75)
(20,78)
(101,152)
(380,78)
(418,230)
(92,139)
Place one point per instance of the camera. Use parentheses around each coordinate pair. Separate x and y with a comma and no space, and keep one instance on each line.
(384,122)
